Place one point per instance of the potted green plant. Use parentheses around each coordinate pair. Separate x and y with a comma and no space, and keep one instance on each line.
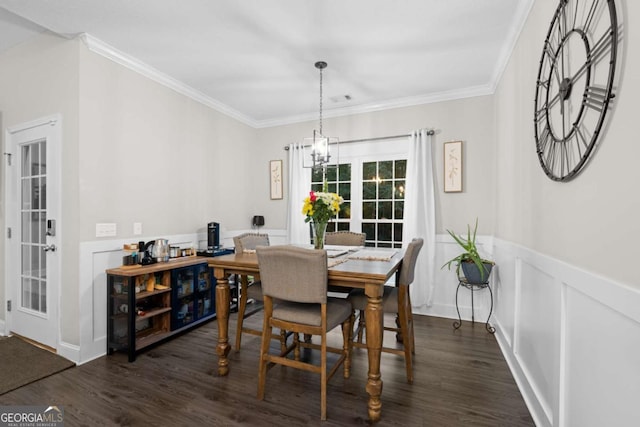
(475,268)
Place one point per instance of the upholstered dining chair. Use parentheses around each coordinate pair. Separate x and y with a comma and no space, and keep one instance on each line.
(251,289)
(394,300)
(344,238)
(297,278)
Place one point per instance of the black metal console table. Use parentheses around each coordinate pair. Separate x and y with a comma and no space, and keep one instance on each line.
(462,281)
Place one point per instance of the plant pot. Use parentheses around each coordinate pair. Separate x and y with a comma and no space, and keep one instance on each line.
(472,272)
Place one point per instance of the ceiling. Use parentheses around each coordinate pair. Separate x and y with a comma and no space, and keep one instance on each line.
(254,59)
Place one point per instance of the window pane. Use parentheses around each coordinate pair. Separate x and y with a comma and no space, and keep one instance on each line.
(384,232)
(316,175)
(331,187)
(343,226)
(345,211)
(369,190)
(398,211)
(369,171)
(401,169)
(384,210)
(331,173)
(344,172)
(369,210)
(315,187)
(385,190)
(369,229)
(398,192)
(344,189)
(385,170)
(397,232)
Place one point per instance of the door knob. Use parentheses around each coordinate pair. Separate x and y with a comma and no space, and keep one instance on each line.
(48,248)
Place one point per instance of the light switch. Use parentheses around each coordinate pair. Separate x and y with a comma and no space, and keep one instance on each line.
(105,229)
(137,228)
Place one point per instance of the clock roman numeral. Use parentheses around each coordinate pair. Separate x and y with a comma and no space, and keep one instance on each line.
(543,140)
(603,46)
(592,13)
(595,98)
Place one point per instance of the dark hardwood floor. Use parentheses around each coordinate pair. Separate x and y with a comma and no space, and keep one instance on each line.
(461,379)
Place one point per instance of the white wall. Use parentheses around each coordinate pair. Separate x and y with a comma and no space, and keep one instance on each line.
(469,120)
(568,298)
(39,79)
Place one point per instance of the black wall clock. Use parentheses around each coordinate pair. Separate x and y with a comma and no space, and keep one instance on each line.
(575,84)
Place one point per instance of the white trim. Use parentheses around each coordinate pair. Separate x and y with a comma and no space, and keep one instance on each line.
(101,48)
(54,210)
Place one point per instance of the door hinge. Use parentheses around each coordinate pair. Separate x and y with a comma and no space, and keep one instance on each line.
(8,305)
(8,158)
(8,232)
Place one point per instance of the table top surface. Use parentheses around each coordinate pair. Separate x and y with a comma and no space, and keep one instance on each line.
(360,266)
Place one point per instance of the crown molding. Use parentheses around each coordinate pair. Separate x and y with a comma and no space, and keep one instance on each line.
(104,49)
(519,20)
(101,48)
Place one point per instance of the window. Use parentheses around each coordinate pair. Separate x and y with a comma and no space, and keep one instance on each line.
(373,193)
(383,202)
(338,181)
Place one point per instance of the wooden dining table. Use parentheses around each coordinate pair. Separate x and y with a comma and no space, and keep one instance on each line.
(348,271)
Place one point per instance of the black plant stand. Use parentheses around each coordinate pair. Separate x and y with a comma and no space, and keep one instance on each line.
(462,281)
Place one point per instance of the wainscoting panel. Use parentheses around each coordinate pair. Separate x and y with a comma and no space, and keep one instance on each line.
(536,335)
(571,339)
(98,256)
(601,367)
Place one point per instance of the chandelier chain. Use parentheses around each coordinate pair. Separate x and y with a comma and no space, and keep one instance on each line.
(321,102)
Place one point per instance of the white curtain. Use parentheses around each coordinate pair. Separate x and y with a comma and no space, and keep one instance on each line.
(419,214)
(299,187)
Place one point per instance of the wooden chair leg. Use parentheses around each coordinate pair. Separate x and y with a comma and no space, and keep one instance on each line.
(296,348)
(283,340)
(323,377)
(403,317)
(264,348)
(361,325)
(242,306)
(346,345)
(412,338)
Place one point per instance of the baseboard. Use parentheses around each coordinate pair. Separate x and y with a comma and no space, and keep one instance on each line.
(69,351)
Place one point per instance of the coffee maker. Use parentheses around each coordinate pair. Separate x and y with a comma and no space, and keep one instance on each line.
(213,236)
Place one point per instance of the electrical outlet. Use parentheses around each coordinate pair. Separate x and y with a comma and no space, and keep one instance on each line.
(137,228)
(106,229)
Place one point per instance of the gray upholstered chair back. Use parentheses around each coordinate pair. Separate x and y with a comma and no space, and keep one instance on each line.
(344,238)
(409,261)
(250,241)
(293,274)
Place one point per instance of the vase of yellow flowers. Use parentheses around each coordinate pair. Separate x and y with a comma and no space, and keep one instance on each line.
(319,208)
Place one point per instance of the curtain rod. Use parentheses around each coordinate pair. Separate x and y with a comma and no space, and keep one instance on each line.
(379,138)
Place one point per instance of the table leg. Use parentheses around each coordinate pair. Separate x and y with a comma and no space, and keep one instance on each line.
(373,320)
(223,297)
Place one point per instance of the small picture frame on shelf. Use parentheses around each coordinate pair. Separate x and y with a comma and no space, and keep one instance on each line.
(275,173)
(453,167)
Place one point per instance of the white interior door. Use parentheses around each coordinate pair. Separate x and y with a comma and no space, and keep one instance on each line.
(33,219)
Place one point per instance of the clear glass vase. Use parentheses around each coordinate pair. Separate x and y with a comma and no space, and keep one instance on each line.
(319,230)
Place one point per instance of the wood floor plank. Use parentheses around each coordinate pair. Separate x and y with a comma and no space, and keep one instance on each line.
(460,379)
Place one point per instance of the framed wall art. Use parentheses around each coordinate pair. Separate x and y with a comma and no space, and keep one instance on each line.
(275,172)
(453,167)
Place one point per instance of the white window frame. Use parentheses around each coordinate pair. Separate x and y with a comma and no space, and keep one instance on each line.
(358,153)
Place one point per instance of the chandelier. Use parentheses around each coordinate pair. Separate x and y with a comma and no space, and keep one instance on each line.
(320,144)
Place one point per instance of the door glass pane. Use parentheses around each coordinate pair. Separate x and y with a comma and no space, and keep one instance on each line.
(32,227)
